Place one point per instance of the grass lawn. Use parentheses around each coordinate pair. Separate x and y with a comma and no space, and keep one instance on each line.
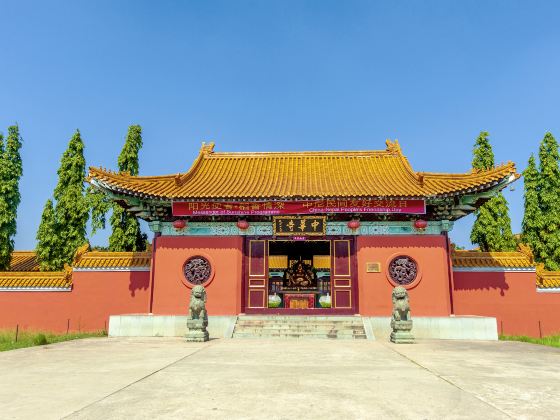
(37,338)
(551,340)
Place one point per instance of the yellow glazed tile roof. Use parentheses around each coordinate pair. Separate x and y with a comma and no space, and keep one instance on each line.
(491,259)
(36,279)
(24,261)
(305,175)
(24,268)
(548,279)
(108,260)
(27,260)
(520,259)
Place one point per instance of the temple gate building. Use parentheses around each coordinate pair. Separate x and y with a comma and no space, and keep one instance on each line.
(272,235)
(302,232)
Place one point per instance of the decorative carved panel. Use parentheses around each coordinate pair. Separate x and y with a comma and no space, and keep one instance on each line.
(403,270)
(197,270)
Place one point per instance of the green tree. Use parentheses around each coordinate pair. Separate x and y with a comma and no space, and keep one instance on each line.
(126,234)
(483,156)
(48,242)
(4,214)
(548,187)
(11,170)
(492,227)
(71,211)
(532,217)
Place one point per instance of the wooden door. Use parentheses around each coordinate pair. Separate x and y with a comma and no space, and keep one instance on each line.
(257,279)
(341,276)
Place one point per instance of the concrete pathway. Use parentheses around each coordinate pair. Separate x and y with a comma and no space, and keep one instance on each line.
(168,378)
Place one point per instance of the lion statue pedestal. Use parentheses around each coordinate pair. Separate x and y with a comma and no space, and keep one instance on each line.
(197,320)
(401,322)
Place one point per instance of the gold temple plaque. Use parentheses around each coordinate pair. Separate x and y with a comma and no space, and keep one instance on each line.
(373,267)
(300,225)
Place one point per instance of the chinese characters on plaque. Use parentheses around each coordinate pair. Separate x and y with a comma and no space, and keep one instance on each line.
(271,208)
(299,225)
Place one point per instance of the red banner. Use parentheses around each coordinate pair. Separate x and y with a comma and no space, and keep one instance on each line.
(247,208)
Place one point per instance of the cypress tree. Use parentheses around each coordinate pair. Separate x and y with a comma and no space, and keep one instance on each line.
(492,227)
(548,187)
(71,211)
(532,217)
(483,156)
(4,213)
(126,235)
(99,205)
(11,170)
(48,242)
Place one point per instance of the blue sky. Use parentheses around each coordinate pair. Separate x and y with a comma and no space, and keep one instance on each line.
(276,75)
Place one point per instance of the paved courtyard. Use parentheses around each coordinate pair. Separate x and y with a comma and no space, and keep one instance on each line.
(168,378)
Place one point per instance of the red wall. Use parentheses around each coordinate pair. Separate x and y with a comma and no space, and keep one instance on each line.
(171,294)
(511,298)
(95,296)
(429,294)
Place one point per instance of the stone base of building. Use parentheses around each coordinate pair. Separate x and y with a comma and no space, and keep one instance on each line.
(444,328)
(145,325)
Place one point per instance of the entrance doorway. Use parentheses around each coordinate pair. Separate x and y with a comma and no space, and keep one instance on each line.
(287,276)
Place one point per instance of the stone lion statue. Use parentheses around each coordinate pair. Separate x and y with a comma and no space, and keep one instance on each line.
(401,321)
(401,307)
(197,305)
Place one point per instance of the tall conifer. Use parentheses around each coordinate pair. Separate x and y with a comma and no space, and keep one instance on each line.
(11,170)
(483,156)
(492,227)
(492,230)
(49,245)
(126,235)
(548,187)
(71,211)
(4,214)
(532,217)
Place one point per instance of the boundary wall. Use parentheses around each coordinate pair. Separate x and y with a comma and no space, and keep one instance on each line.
(511,297)
(506,286)
(95,295)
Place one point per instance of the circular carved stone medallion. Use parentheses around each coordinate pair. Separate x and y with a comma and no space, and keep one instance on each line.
(197,270)
(403,270)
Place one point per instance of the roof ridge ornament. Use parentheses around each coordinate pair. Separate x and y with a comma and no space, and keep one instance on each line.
(420,178)
(393,146)
(526,250)
(207,148)
(80,252)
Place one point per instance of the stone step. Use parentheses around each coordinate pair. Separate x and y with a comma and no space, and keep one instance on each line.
(326,327)
(300,335)
(309,324)
(271,321)
(292,318)
(288,334)
(316,330)
(297,328)
(297,321)
(288,326)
